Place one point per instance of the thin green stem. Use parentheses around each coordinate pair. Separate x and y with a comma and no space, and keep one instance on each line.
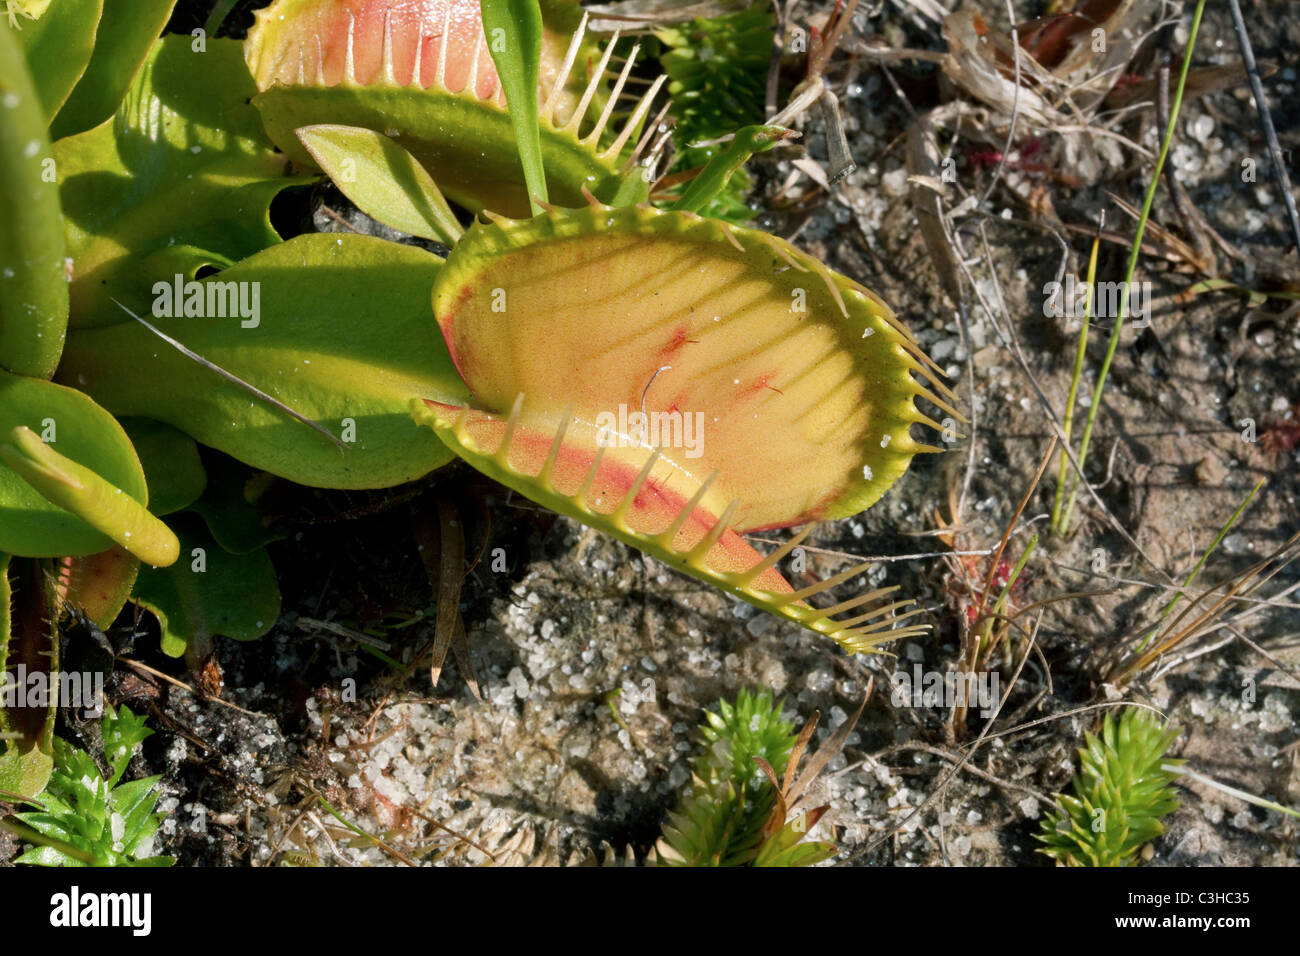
(1232,791)
(987,627)
(1079,354)
(1133,258)
(218,16)
(1223,533)
(24,832)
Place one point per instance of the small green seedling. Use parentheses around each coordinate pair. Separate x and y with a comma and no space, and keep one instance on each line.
(92,821)
(1122,794)
(731,813)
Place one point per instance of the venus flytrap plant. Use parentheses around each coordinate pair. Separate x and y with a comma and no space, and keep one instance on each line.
(661,312)
(73,498)
(770,348)
(802,383)
(424,70)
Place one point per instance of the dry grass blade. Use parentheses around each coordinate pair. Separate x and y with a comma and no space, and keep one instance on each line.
(235,380)
(823,756)
(1201,81)
(923,170)
(1175,634)
(460,650)
(776,819)
(796,752)
(1006,534)
(442,549)
(1266,120)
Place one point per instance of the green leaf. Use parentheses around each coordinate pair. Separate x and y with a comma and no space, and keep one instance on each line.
(384,181)
(514,32)
(58,48)
(719,820)
(717,173)
(86,820)
(24,769)
(183,176)
(229,505)
(1121,794)
(81,491)
(135,801)
(171,464)
(46,856)
(141,823)
(210,592)
(127,29)
(345,337)
(33,286)
(122,731)
(79,430)
(786,849)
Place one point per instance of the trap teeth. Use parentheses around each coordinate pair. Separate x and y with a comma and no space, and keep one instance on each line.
(836,405)
(700,553)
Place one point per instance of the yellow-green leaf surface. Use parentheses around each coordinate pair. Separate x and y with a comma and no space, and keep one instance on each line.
(58,48)
(209,591)
(79,430)
(383,180)
(640,497)
(343,336)
(182,176)
(383,65)
(798,383)
(33,286)
(126,32)
(82,492)
(673,381)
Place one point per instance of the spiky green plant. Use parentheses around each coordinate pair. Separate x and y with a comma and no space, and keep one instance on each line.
(723,818)
(90,821)
(1121,794)
(717,71)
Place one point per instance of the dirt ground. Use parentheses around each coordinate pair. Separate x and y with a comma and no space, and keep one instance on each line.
(539,769)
